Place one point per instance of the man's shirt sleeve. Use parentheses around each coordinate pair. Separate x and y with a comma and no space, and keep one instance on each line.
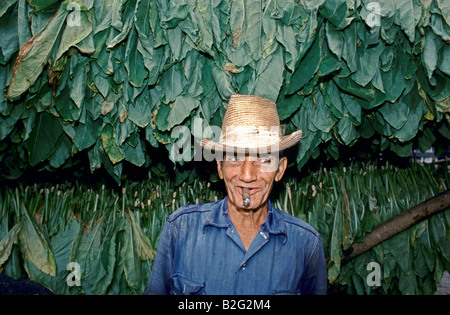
(315,280)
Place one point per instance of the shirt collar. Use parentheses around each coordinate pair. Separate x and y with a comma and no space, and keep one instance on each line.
(219,217)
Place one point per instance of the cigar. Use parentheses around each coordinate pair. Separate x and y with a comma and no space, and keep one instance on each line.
(246,196)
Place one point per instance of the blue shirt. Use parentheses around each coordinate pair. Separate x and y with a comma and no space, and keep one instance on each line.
(200,252)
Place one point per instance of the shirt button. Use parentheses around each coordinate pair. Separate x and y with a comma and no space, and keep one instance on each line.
(243,266)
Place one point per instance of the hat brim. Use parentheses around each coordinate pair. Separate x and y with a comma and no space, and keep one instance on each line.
(285,143)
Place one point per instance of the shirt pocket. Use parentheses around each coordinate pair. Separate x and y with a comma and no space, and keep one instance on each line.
(182,285)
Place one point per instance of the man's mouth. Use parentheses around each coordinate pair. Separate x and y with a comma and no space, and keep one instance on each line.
(251,190)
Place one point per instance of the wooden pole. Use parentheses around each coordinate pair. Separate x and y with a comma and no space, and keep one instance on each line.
(401,222)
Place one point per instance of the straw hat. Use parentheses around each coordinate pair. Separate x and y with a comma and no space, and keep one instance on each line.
(251,124)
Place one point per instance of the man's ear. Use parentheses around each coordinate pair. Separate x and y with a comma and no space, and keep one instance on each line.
(219,169)
(281,168)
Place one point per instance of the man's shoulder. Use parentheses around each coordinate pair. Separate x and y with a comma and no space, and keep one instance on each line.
(296,223)
(192,210)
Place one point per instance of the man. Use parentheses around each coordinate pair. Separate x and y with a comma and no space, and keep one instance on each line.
(234,246)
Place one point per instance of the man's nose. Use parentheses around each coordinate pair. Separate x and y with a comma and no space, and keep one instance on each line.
(248,171)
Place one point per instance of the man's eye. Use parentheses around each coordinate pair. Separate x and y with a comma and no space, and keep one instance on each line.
(264,160)
(232,158)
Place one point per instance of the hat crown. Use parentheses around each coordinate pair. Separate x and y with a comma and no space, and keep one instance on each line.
(251,110)
(251,122)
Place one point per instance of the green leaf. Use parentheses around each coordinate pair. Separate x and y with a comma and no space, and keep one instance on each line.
(335,40)
(289,106)
(39,5)
(208,24)
(367,65)
(269,76)
(6,244)
(67,109)
(42,141)
(86,248)
(336,12)
(9,35)
(132,265)
(136,248)
(87,134)
(407,14)
(349,50)
(5,5)
(173,82)
(320,115)
(142,244)
(347,130)
(408,283)
(329,64)
(353,108)
(78,87)
(237,20)
(396,114)
(269,43)
(445,9)
(431,47)
(34,55)
(335,247)
(332,98)
(285,36)
(123,16)
(426,139)
(74,33)
(61,244)
(444,129)
(181,109)
(161,117)
(393,83)
(309,143)
(6,126)
(193,71)
(62,151)
(102,271)
(401,149)
(411,126)
(134,62)
(253,27)
(307,68)
(174,13)
(443,65)
(134,154)
(34,245)
(110,145)
(222,79)
(140,111)
(142,17)
(401,250)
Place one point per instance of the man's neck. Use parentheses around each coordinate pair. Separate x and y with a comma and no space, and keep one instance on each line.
(247,222)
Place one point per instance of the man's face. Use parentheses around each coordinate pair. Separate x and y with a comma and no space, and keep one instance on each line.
(254,172)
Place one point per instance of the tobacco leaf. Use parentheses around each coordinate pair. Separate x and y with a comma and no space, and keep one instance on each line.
(34,54)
